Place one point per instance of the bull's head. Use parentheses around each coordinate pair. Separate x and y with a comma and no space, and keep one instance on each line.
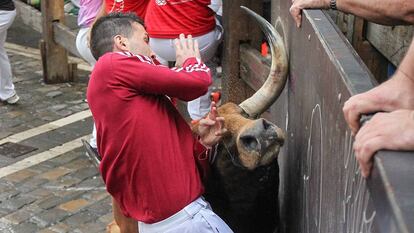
(253,142)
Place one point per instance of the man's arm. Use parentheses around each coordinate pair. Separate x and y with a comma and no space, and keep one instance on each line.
(387,12)
(185,83)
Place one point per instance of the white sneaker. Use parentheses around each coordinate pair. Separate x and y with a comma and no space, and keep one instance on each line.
(13,99)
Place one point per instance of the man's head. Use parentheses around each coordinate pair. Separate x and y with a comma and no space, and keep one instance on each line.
(119,32)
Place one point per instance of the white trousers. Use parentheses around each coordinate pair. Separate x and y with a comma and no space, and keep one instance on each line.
(82,44)
(208,43)
(195,217)
(6,84)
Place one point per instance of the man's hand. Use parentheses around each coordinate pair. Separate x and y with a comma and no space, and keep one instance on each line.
(396,93)
(211,129)
(185,48)
(390,131)
(299,5)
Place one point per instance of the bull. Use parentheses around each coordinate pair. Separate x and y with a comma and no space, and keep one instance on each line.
(243,184)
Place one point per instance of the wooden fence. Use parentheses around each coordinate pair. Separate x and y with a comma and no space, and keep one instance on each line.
(57,39)
(321,189)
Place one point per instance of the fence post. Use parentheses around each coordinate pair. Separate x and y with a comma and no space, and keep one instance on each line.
(54,56)
(239,28)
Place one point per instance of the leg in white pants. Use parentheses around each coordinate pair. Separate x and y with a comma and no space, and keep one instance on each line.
(208,43)
(195,217)
(82,45)
(6,84)
(85,52)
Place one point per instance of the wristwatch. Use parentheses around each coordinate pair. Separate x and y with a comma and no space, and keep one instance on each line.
(332,4)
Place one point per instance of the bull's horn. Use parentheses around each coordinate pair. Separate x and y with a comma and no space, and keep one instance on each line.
(273,86)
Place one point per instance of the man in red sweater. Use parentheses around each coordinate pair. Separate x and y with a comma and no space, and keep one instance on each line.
(147,148)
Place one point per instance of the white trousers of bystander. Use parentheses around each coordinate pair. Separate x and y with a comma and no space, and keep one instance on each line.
(208,43)
(6,84)
(82,44)
(195,217)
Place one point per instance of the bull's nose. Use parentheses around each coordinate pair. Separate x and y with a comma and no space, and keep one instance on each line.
(259,136)
(250,142)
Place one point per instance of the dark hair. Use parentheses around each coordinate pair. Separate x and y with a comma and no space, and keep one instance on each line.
(107,27)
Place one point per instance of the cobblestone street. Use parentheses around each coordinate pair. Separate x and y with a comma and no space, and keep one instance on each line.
(47,184)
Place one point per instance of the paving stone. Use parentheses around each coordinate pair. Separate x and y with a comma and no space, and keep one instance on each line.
(64,113)
(41,168)
(75,102)
(4,133)
(77,164)
(60,228)
(48,88)
(48,217)
(96,195)
(47,231)
(86,173)
(80,218)
(4,195)
(107,218)
(55,173)
(64,183)
(5,227)
(91,227)
(26,228)
(58,107)
(74,205)
(100,208)
(40,193)
(25,187)
(4,212)
(20,176)
(14,114)
(35,182)
(54,94)
(17,203)
(17,217)
(65,158)
(33,209)
(53,201)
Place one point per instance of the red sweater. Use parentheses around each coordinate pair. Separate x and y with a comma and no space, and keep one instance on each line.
(147,148)
(168,18)
(138,7)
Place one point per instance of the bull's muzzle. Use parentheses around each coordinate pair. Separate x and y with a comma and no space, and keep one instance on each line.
(260,142)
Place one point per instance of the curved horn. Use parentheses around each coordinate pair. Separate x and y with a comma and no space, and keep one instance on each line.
(273,86)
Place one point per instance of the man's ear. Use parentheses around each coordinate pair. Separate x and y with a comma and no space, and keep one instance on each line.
(120,43)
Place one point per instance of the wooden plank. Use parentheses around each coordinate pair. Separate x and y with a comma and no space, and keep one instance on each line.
(65,37)
(392,42)
(55,57)
(372,58)
(237,29)
(254,68)
(29,15)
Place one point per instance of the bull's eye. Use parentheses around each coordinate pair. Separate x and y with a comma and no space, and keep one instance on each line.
(249,142)
(266,124)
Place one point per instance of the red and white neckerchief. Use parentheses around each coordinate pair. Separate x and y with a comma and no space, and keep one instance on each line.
(117,9)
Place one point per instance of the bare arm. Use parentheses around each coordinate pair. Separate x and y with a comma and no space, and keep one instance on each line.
(387,12)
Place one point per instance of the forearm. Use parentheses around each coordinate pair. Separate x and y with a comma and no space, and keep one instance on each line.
(387,12)
(406,67)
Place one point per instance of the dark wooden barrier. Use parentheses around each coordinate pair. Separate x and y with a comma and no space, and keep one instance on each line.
(58,39)
(321,186)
